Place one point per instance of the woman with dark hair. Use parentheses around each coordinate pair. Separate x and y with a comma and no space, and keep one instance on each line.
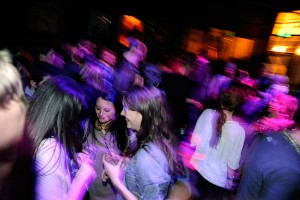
(109,135)
(53,122)
(218,140)
(148,174)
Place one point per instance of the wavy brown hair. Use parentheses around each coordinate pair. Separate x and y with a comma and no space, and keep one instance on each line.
(157,122)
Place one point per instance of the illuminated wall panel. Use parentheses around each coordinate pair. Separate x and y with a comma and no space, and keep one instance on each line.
(243,48)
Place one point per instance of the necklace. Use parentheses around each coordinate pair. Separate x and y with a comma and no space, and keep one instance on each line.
(98,127)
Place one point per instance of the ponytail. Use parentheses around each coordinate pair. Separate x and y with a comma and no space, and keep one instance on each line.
(217,133)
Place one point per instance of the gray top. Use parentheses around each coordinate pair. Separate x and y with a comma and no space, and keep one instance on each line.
(106,144)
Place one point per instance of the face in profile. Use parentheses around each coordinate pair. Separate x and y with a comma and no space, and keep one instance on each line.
(12,121)
(105,111)
(133,118)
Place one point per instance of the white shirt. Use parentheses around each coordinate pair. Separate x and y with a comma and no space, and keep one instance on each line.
(53,174)
(211,162)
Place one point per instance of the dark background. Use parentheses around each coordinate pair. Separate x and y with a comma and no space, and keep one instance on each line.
(41,21)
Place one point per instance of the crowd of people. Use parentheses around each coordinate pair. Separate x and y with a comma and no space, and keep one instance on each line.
(85,122)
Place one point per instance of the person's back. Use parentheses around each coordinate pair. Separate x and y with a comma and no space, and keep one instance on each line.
(233,135)
(218,140)
(272,168)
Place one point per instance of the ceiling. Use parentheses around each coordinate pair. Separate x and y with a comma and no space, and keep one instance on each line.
(229,14)
(247,18)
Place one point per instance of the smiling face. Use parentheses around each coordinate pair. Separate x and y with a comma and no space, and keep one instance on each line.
(105,111)
(133,118)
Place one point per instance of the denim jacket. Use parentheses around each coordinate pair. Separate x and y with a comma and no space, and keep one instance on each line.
(147,175)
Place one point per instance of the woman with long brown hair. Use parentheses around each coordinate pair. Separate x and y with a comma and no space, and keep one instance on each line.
(218,141)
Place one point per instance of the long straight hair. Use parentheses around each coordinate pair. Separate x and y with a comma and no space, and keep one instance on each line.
(55,112)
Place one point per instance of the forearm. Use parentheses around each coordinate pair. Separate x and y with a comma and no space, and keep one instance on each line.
(195,103)
(124,191)
(83,179)
(77,190)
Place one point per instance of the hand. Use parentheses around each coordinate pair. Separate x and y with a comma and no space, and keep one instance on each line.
(112,170)
(104,176)
(231,185)
(84,158)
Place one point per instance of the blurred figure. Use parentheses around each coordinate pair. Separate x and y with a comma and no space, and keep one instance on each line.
(201,73)
(35,80)
(128,70)
(50,63)
(74,62)
(107,62)
(221,81)
(24,59)
(88,49)
(218,140)
(177,87)
(109,135)
(32,86)
(148,174)
(243,77)
(16,172)
(152,75)
(255,104)
(98,76)
(54,125)
(95,78)
(272,167)
(108,57)
(51,58)
(281,112)
(265,78)
(280,85)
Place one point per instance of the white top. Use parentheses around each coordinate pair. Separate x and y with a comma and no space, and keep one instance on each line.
(53,174)
(210,162)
